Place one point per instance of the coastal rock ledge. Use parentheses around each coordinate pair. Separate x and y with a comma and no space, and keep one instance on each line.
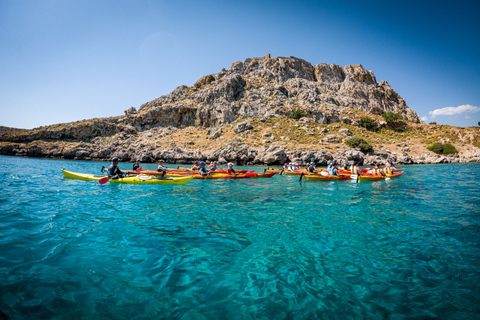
(263,111)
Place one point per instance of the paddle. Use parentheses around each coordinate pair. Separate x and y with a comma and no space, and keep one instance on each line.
(104,180)
(301,176)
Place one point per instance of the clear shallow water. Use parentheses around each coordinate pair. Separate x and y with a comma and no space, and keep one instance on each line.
(238,249)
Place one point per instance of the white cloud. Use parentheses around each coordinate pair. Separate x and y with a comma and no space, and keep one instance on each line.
(450,111)
(467,117)
(425,119)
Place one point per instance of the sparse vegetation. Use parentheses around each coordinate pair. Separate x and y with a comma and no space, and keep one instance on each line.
(210,79)
(444,149)
(433,122)
(391,117)
(297,114)
(357,142)
(368,123)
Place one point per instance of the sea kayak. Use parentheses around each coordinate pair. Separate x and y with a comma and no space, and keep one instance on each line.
(375,178)
(188,170)
(137,179)
(319,177)
(251,175)
(198,176)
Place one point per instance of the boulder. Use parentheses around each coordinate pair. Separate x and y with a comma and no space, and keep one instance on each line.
(243,126)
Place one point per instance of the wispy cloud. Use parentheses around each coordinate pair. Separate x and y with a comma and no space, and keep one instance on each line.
(425,119)
(450,111)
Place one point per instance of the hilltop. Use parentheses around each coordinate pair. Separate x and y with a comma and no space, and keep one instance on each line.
(260,111)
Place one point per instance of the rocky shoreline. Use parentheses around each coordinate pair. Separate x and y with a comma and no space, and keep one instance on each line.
(241,154)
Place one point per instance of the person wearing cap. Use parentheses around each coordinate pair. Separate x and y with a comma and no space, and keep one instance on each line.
(136,165)
(311,168)
(162,168)
(332,169)
(113,170)
(291,166)
(202,170)
(230,169)
(212,166)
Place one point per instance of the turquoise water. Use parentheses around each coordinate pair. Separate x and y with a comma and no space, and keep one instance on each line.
(272,248)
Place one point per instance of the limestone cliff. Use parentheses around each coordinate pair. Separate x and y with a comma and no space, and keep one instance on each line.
(243,115)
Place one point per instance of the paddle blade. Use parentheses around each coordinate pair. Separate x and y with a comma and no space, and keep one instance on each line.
(139,170)
(103,180)
(323,173)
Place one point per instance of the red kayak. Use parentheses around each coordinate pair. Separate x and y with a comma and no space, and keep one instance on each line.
(251,175)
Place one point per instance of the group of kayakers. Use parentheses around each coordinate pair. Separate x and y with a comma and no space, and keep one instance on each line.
(201,167)
(333,169)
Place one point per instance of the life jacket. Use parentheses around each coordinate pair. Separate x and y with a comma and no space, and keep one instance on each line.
(377,172)
(388,170)
(311,168)
(354,170)
(330,170)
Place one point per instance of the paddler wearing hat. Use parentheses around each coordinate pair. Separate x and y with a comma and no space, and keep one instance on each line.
(113,171)
(136,165)
(202,170)
(161,167)
(230,169)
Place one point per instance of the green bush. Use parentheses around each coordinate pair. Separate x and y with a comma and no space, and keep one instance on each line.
(297,114)
(433,122)
(368,123)
(210,79)
(436,147)
(449,149)
(356,142)
(391,117)
(444,149)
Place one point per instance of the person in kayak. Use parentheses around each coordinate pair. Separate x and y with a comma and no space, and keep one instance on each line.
(332,169)
(389,168)
(311,168)
(113,170)
(161,167)
(136,165)
(212,166)
(230,169)
(202,170)
(377,171)
(195,165)
(354,169)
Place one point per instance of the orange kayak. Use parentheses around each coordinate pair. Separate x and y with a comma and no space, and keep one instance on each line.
(375,178)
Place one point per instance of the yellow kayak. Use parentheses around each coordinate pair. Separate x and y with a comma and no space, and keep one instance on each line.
(138,179)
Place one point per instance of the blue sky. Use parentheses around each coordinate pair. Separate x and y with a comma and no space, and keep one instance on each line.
(67,60)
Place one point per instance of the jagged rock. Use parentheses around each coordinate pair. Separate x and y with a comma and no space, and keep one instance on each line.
(214,133)
(345,132)
(131,110)
(82,154)
(271,155)
(243,126)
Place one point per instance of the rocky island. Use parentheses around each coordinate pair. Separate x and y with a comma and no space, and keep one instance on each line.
(263,111)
